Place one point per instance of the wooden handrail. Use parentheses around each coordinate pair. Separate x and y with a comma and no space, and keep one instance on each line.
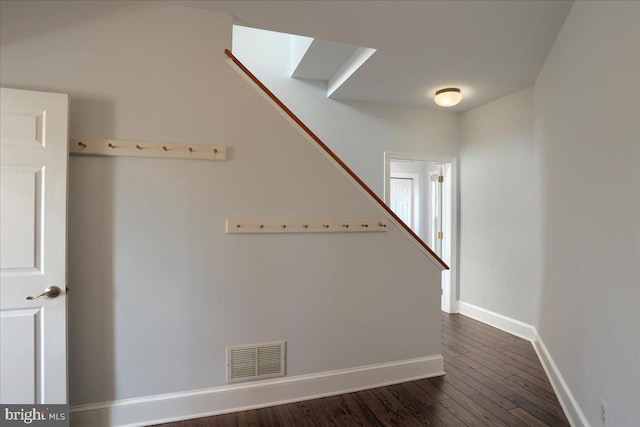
(336,159)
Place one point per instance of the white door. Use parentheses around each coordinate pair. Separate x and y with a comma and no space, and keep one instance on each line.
(402,199)
(33,203)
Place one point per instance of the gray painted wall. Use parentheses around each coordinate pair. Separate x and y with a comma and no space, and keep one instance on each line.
(498,209)
(158,289)
(587,110)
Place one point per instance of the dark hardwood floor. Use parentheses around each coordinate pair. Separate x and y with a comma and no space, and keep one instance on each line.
(492,379)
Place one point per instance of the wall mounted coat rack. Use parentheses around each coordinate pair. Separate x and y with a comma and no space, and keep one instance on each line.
(112,147)
(316,225)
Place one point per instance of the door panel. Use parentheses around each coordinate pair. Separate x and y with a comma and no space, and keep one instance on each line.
(33,173)
(20,344)
(22,127)
(20,216)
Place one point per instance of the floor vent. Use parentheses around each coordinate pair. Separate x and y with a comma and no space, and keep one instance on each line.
(255,361)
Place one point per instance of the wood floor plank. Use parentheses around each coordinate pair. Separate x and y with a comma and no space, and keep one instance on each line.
(477,380)
(388,414)
(550,407)
(528,418)
(495,347)
(493,379)
(400,409)
(497,411)
(423,410)
(288,414)
(524,360)
(500,363)
(461,413)
(542,383)
(427,386)
(538,412)
(365,413)
(503,369)
(328,411)
(247,418)
(549,396)
(454,387)
(455,345)
(466,324)
(459,384)
(485,415)
(356,419)
(484,339)
(227,420)
(449,410)
(268,417)
(402,415)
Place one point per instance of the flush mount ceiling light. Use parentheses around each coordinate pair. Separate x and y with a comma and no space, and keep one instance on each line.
(448,97)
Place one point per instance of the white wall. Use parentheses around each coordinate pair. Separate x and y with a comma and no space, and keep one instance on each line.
(358,132)
(498,209)
(587,116)
(157,288)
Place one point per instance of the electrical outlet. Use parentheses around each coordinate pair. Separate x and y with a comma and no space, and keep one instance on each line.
(603,412)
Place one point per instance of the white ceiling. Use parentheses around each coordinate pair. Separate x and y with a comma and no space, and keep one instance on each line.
(489,49)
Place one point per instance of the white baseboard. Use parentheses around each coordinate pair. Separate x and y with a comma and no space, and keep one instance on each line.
(568,402)
(455,308)
(507,324)
(238,397)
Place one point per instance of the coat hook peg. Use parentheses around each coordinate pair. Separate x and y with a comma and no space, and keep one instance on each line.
(215,151)
(345,225)
(382,224)
(110,145)
(305,226)
(261,225)
(364,225)
(190,150)
(164,147)
(82,144)
(284,225)
(138,147)
(237,225)
(325,225)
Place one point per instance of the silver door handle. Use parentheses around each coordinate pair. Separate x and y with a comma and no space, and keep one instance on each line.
(50,292)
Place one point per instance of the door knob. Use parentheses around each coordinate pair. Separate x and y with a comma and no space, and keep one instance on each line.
(50,292)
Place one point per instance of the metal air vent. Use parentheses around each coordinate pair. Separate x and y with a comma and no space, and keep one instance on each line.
(255,361)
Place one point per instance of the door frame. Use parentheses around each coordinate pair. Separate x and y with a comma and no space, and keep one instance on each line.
(450,218)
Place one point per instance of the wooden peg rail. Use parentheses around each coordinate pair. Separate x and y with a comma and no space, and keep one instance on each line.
(112,147)
(359,225)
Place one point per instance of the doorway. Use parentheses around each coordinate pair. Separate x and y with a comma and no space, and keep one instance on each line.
(421,190)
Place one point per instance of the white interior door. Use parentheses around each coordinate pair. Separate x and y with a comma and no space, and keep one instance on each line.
(33,203)
(402,199)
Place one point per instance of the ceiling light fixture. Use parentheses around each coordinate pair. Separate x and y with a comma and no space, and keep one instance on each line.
(448,97)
